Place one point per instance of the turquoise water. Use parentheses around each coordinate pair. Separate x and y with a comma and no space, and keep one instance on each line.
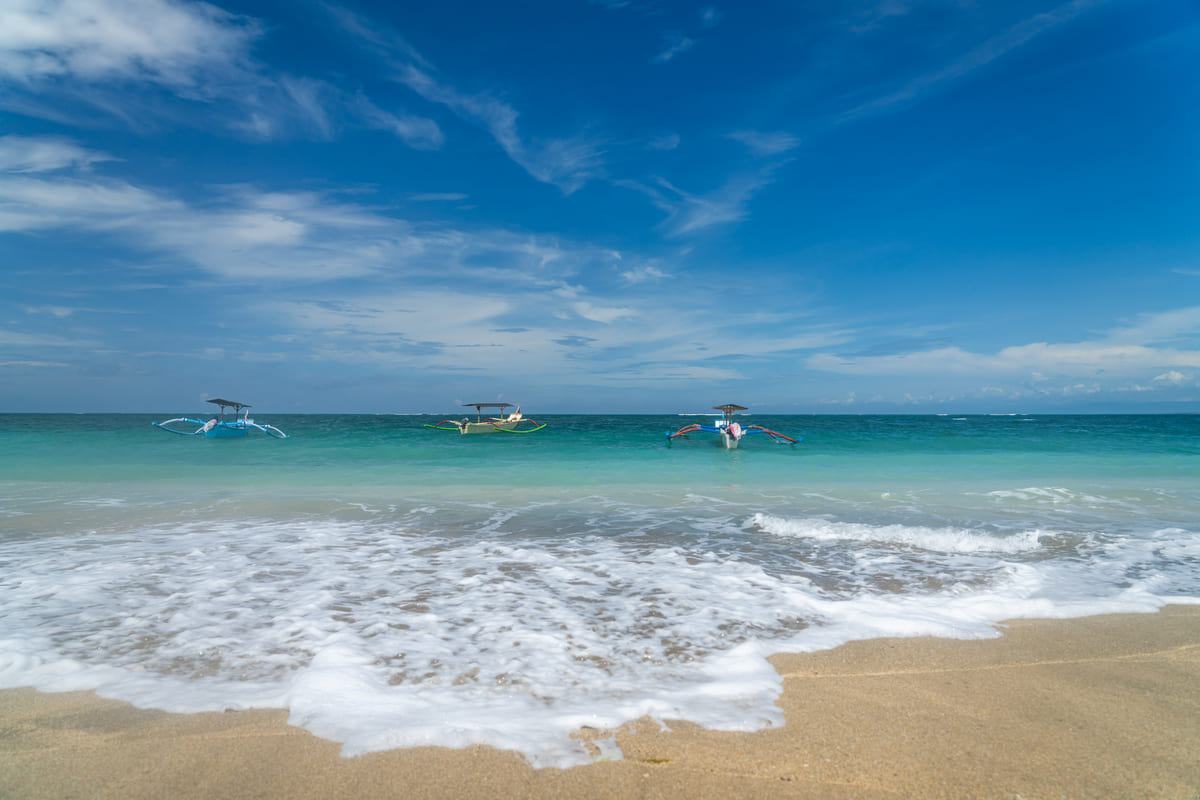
(393,585)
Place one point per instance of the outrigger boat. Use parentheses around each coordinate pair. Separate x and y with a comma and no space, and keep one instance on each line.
(730,432)
(220,427)
(508,424)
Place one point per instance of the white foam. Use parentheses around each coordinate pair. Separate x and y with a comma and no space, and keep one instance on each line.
(377,633)
(943,540)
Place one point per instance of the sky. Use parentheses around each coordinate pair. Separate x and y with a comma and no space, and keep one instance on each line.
(600,206)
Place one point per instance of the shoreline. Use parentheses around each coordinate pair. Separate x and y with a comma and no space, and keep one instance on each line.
(1094,707)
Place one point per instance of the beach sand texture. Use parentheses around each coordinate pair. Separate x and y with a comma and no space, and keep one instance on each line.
(1100,707)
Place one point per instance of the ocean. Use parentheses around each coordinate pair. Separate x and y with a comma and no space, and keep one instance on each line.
(394,586)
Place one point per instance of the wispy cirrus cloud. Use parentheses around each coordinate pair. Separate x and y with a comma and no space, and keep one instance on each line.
(10,338)
(1162,326)
(991,50)
(689,213)
(23,154)
(433,197)
(417,132)
(675,44)
(567,163)
(766,143)
(664,142)
(61,56)
(876,13)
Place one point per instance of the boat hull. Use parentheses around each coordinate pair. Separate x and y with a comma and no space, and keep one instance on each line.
(223,431)
(487,427)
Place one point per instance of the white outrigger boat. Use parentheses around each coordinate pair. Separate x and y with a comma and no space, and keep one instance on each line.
(508,424)
(220,427)
(730,432)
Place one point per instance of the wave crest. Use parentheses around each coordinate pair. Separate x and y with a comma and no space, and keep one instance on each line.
(942,540)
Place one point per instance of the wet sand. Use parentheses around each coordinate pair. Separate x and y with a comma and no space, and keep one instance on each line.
(1102,707)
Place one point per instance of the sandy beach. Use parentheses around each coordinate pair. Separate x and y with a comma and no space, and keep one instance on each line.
(1101,707)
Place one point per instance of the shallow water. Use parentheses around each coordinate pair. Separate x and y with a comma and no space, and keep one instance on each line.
(393,586)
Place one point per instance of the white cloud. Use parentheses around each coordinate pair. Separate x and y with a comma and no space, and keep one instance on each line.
(383,41)
(427,329)
(689,213)
(1123,360)
(1164,326)
(306,95)
(478,325)
(675,45)
(43,154)
(567,163)
(28,203)
(1083,358)
(10,338)
(644,274)
(602,314)
(58,54)
(873,16)
(766,144)
(667,141)
(61,312)
(417,132)
(981,56)
(1173,378)
(161,41)
(242,233)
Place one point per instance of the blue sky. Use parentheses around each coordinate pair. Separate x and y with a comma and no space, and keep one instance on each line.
(627,206)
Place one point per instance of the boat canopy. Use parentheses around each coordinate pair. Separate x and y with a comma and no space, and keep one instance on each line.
(229,403)
(729,408)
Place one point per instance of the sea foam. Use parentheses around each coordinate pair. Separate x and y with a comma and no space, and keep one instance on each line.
(380,635)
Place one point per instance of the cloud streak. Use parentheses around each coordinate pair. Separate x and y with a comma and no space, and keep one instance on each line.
(766,144)
(675,45)
(243,233)
(991,50)
(567,163)
(59,56)
(689,213)
(172,44)
(1111,362)
(25,154)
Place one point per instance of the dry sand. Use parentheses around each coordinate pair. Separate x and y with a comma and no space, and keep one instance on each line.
(1103,707)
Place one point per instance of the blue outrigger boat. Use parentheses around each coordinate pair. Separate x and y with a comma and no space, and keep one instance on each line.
(222,428)
(730,432)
